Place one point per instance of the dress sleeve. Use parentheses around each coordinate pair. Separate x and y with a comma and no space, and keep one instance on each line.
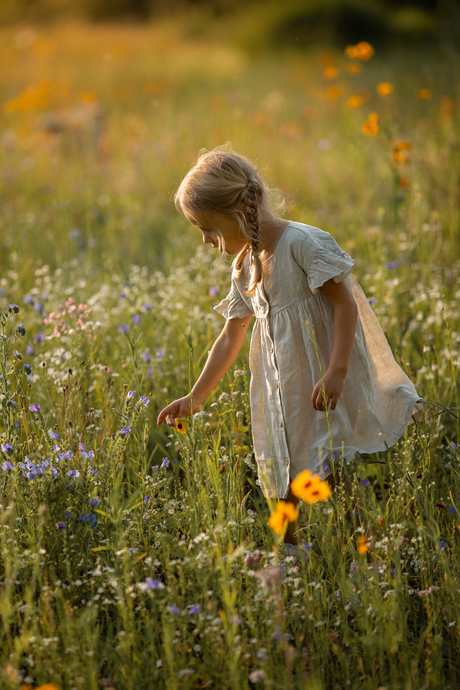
(321,258)
(233,306)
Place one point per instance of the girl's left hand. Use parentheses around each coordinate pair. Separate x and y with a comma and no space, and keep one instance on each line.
(328,390)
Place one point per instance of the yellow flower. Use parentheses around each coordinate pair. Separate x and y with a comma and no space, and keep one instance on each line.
(363,546)
(181,426)
(424,94)
(330,72)
(354,102)
(370,127)
(353,67)
(310,487)
(284,512)
(361,51)
(385,88)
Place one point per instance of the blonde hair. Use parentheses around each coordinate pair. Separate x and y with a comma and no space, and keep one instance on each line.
(220,181)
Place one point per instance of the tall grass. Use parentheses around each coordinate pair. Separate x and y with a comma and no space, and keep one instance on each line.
(152,564)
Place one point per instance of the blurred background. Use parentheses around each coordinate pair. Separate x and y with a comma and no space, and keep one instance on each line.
(350,107)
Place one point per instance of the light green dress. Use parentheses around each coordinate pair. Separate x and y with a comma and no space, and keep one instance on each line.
(291,338)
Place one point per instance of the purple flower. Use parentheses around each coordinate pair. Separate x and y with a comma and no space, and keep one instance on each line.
(130,395)
(7,466)
(371,300)
(136,318)
(439,505)
(85,455)
(174,609)
(147,307)
(160,352)
(153,584)
(38,338)
(213,290)
(13,308)
(165,462)
(94,502)
(81,447)
(29,350)
(390,265)
(122,295)
(7,447)
(146,357)
(452,509)
(60,525)
(93,471)
(194,609)
(54,472)
(125,430)
(38,306)
(21,330)
(365,482)
(65,456)
(443,544)
(93,520)
(124,328)
(68,515)
(155,467)
(73,473)
(83,518)
(34,407)
(144,400)
(28,368)
(147,499)
(53,434)
(56,448)
(454,445)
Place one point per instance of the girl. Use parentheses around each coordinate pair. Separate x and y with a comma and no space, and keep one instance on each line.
(320,363)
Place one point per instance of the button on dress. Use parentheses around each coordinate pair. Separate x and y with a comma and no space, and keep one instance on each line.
(291,345)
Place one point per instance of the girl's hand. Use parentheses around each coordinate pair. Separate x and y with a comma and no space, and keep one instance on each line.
(328,390)
(178,408)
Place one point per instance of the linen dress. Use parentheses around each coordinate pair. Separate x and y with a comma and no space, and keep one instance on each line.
(291,338)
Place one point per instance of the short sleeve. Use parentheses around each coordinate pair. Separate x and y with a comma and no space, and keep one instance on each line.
(233,306)
(321,258)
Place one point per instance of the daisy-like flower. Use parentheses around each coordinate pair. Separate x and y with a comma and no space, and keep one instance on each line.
(310,487)
(284,512)
(363,545)
(181,426)
(370,127)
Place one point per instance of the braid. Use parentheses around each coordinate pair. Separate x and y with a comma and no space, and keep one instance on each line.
(251,199)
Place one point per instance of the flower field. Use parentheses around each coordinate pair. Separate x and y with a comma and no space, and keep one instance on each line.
(136,556)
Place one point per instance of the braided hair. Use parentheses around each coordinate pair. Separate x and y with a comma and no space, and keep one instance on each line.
(223,181)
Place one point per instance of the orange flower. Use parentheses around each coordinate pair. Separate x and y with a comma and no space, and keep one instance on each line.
(370,127)
(332,92)
(354,102)
(181,426)
(353,67)
(284,512)
(424,94)
(403,182)
(399,154)
(361,51)
(310,487)
(385,88)
(363,546)
(330,72)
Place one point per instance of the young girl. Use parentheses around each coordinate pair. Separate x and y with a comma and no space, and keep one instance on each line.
(316,344)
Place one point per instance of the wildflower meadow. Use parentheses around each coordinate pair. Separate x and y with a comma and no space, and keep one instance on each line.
(136,556)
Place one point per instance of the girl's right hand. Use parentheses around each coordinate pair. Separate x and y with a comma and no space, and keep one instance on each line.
(178,408)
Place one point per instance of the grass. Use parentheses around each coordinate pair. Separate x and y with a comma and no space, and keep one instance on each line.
(170,576)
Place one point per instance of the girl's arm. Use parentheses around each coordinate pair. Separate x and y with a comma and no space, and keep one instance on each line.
(345,318)
(221,357)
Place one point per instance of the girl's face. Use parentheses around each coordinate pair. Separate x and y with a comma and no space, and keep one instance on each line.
(229,230)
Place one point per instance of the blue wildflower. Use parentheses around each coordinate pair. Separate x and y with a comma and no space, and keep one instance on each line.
(54,472)
(7,466)
(153,584)
(38,306)
(136,318)
(20,330)
(83,518)
(147,499)
(94,502)
(130,395)
(13,308)
(147,307)
(17,355)
(124,328)
(194,609)
(93,471)
(371,300)
(34,407)
(28,368)
(174,609)
(60,525)
(85,455)
(452,509)
(68,515)
(454,445)
(125,430)
(38,338)
(160,352)
(146,357)
(92,519)
(213,290)
(443,544)
(155,467)
(390,265)
(144,400)
(165,462)
(73,473)
(53,435)
(7,447)
(65,456)
(29,350)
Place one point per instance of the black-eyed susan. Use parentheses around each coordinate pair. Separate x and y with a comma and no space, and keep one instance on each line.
(284,512)
(181,426)
(310,487)
(384,88)
(362,544)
